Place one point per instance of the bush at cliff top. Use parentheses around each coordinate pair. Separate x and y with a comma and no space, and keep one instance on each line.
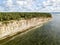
(6,16)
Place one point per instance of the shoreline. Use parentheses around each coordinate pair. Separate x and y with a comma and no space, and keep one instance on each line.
(26,30)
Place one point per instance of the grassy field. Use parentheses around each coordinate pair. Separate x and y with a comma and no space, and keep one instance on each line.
(6,16)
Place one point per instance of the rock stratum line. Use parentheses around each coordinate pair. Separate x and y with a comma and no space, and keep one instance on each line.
(14,27)
(12,23)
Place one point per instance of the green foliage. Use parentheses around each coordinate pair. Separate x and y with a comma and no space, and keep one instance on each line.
(6,16)
(5,22)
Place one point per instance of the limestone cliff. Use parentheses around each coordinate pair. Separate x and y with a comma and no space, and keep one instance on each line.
(15,26)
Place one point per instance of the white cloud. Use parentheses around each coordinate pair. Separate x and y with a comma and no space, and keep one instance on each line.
(25,3)
(31,5)
(46,3)
(51,5)
(20,2)
(9,3)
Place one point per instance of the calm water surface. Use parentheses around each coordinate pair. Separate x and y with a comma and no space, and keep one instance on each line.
(48,34)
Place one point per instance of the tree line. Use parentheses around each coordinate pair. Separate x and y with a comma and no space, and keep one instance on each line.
(6,16)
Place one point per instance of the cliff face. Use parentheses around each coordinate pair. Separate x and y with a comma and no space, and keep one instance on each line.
(19,26)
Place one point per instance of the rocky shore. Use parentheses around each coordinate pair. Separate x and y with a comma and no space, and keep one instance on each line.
(14,26)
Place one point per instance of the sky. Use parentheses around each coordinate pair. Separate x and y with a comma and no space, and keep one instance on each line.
(29,5)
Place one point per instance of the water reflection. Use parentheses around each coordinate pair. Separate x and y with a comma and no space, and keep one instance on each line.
(49,34)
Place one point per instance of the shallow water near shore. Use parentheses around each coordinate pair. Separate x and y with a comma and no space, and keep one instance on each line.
(48,34)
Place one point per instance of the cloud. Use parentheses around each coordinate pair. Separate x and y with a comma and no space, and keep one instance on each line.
(51,5)
(20,2)
(9,3)
(30,5)
(19,5)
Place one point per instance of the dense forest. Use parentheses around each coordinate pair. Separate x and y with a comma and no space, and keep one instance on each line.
(6,16)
